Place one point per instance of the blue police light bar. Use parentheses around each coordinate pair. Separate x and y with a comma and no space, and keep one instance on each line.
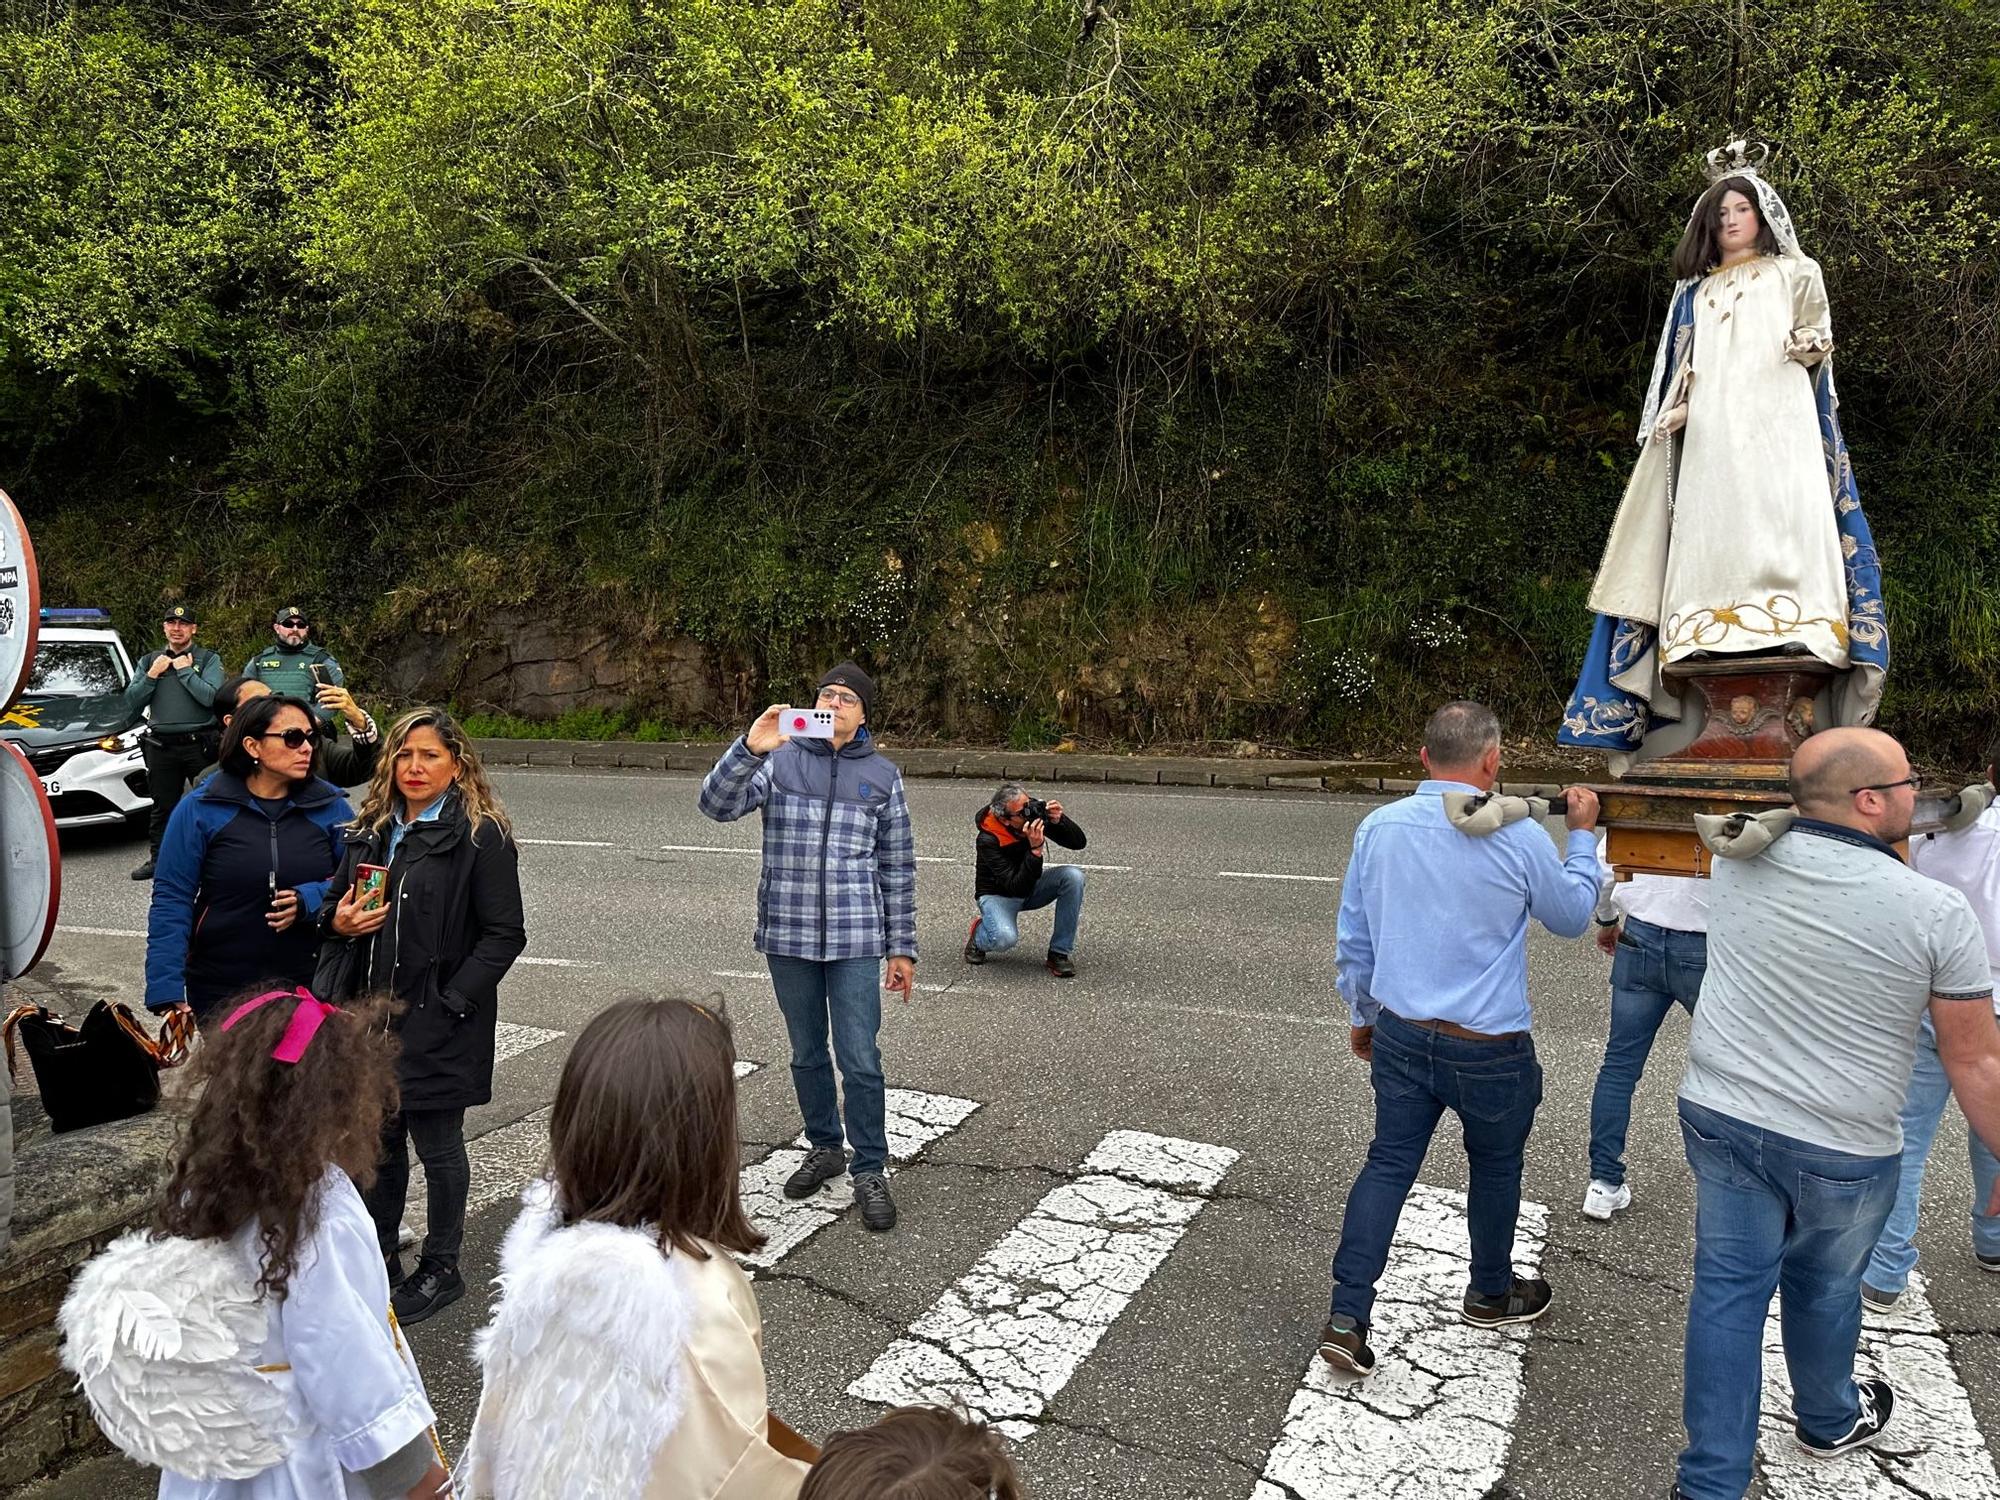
(76,617)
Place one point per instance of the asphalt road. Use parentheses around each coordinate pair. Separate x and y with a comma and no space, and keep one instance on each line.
(1204,1011)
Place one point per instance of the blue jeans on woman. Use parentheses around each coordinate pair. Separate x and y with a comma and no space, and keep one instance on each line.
(1494,1088)
(1653,970)
(1930,1090)
(844,996)
(1771,1214)
(999,916)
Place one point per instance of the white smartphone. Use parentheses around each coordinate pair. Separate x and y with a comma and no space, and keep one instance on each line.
(806,723)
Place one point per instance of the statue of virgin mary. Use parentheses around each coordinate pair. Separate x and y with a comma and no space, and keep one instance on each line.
(1741,530)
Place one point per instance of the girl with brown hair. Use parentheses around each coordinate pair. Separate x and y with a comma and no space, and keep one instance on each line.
(441,934)
(915,1453)
(625,1356)
(244,1344)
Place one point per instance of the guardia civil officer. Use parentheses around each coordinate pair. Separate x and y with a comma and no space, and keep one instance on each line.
(285,663)
(176,688)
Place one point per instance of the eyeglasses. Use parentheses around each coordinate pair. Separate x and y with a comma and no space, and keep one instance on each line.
(839,696)
(1913,781)
(294,738)
(295,624)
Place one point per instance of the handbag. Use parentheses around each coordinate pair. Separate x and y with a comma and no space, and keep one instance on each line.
(106,1069)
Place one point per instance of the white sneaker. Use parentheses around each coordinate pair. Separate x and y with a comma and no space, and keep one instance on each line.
(406,1236)
(1603,1200)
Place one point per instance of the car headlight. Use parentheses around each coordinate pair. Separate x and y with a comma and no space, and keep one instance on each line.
(128,740)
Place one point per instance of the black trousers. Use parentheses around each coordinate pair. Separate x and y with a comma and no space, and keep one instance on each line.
(439,1136)
(170,767)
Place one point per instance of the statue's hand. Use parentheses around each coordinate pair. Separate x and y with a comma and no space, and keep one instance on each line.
(1671,421)
(1807,346)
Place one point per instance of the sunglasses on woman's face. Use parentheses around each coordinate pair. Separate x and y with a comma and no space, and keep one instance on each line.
(294,738)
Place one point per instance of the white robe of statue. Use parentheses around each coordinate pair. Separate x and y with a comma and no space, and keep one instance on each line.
(1731,545)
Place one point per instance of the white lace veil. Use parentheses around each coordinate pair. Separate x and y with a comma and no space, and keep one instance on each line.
(1743,159)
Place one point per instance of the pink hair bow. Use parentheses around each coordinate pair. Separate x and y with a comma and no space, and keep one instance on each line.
(305,1022)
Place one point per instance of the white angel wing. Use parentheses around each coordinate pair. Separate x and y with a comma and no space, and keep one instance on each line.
(162,1336)
(584,1364)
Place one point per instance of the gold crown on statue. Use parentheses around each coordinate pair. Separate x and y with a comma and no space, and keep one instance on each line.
(1734,157)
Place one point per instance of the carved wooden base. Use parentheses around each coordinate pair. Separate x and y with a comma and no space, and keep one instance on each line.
(1757,711)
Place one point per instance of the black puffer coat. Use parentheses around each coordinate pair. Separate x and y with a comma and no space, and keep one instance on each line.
(454,929)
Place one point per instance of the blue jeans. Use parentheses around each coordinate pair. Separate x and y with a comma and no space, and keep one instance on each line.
(1896,1252)
(847,993)
(999,916)
(1494,1089)
(1771,1213)
(1655,969)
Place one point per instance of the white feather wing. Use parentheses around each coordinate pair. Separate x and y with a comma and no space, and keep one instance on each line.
(584,1365)
(163,1337)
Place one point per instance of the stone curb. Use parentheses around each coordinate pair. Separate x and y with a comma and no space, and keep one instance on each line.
(1350,777)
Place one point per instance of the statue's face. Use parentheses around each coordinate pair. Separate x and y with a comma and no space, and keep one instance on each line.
(1738,223)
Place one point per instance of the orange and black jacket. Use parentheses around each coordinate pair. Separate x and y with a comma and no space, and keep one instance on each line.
(1006,866)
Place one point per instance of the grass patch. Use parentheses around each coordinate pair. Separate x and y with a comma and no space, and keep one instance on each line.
(580,724)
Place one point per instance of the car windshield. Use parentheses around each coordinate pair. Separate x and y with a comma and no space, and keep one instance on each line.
(75,669)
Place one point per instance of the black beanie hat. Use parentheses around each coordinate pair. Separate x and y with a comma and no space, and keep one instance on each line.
(856,681)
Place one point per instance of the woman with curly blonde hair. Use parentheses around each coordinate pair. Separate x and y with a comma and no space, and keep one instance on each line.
(439,931)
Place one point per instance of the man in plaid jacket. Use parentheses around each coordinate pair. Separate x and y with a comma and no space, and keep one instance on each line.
(837,893)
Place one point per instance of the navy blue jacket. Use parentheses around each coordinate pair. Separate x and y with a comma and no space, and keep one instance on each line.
(206,936)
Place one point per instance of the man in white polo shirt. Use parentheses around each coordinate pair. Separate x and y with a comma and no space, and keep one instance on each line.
(1969,861)
(1824,953)
(1655,927)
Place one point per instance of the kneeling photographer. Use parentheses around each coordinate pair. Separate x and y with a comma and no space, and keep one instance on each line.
(1011,879)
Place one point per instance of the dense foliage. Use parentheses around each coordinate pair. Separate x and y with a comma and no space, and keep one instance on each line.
(1149,368)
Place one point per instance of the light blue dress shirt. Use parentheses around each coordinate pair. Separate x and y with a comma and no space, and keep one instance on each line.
(397,827)
(1434,922)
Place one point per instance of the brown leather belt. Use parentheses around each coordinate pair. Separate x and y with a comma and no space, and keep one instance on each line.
(1463,1033)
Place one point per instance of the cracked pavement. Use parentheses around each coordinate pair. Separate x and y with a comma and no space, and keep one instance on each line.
(1203,1013)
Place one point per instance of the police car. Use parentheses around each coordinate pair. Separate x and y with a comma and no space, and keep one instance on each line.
(73,724)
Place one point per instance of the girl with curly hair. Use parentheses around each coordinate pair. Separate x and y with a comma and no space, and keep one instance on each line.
(244,1343)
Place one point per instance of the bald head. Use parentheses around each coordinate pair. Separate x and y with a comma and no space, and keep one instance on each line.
(1828,767)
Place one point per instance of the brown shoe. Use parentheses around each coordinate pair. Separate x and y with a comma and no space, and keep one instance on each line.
(1344,1345)
(1526,1300)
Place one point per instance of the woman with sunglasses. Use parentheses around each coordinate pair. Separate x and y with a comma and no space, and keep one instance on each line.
(244,865)
(440,933)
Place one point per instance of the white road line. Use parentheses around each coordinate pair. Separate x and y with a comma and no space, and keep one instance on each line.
(1229,1013)
(128,932)
(708,849)
(929,989)
(1266,875)
(915,1120)
(1012,1333)
(571,843)
(512,1039)
(1436,1419)
(1108,869)
(1933,1449)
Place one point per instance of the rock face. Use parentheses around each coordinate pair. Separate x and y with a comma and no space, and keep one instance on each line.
(529,665)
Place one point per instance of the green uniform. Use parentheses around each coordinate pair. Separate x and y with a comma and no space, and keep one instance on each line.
(287,671)
(181,700)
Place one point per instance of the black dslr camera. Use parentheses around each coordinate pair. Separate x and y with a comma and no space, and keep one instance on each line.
(1036,809)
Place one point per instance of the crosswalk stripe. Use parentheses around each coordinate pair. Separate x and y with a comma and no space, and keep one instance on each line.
(1012,1333)
(1436,1419)
(1933,1449)
(510,1040)
(915,1120)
